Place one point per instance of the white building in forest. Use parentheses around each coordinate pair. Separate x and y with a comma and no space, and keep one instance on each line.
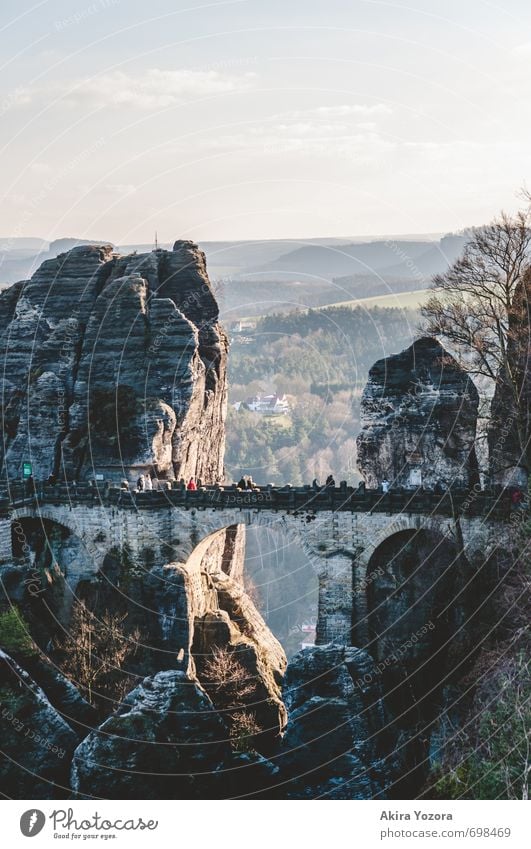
(269,405)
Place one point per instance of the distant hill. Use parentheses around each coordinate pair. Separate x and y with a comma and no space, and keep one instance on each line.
(263,276)
(22,243)
(432,261)
(242,257)
(18,260)
(390,258)
(338,260)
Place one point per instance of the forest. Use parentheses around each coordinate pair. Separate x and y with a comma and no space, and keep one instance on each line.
(320,359)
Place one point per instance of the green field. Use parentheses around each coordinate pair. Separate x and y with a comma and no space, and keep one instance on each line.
(401,300)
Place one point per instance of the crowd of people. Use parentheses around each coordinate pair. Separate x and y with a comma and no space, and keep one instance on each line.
(147,483)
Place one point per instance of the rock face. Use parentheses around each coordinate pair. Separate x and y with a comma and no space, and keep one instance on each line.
(37,743)
(336,745)
(114,365)
(185,611)
(418,415)
(167,729)
(201,605)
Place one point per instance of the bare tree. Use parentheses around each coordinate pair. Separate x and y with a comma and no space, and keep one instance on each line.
(243,731)
(479,307)
(95,651)
(227,679)
(231,688)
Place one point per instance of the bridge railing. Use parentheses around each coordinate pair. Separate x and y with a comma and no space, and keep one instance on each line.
(454,502)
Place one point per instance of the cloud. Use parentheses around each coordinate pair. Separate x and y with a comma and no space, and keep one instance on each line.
(346,110)
(40,168)
(329,140)
(154,89)
(120,189)
(14,100)
(321,129)
(522,51)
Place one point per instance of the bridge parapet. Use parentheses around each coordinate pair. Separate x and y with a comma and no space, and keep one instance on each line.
(495,505)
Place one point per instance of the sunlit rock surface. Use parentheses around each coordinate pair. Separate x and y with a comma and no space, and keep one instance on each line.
(418,414)
(114,365)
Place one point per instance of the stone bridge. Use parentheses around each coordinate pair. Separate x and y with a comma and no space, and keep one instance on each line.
(340,532)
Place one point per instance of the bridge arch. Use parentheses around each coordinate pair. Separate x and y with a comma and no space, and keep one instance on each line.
(52,559)
(410,619)
(326,542)
(94,543)
(385,526)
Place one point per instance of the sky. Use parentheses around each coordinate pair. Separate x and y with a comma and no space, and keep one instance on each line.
(253,119)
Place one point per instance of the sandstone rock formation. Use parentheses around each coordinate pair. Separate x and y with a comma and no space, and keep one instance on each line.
(114,365)
(184,610)
(167,729)
(418,415)
(336,745)
(37,743)
(201,605)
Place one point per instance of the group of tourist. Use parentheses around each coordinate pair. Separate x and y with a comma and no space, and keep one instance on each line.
(329,484)
(144,483)
(246,482)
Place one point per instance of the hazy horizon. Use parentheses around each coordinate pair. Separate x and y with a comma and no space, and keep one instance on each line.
(288,238)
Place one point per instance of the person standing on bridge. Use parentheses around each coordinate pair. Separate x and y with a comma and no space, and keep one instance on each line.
(148,483)
(30,485)
(191,485)
(140,483)
(517,499)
